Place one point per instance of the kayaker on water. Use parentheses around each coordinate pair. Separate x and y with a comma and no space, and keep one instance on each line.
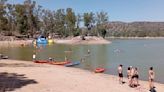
(89,51)
(82,59)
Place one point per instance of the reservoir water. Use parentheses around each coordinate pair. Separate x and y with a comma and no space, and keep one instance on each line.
(140,53)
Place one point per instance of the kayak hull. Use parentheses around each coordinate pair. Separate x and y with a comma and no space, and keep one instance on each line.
(99,70)
(73,64)
(59,62)
(4,57)
(41,61)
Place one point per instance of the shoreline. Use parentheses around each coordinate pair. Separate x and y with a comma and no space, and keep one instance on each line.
(68,41)
(53,78)
(89,40)
(135,38)
(73,41)
(15,43)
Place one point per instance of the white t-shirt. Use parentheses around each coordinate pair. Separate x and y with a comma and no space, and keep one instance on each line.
(34,56)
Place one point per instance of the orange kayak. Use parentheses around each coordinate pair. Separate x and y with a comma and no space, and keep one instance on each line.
(59,62)
(41,61)
(99,70)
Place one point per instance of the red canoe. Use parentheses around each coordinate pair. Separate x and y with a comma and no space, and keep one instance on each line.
(99,70)
(41,61)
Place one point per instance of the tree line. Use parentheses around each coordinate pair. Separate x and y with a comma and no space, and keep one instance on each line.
(30,19)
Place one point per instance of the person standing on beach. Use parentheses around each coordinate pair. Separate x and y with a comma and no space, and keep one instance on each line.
(66,59)
(120,74)
(129,75)
(132,77)
(34,57)
(136,77)
(151,78)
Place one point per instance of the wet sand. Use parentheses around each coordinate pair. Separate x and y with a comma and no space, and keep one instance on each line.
(27,76)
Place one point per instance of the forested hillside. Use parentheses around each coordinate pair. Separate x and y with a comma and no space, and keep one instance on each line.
(135,29)
(31,19)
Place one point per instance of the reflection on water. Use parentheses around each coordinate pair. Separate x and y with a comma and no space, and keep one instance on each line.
(138,53)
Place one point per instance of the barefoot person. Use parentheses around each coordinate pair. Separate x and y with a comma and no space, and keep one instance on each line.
(136,76)
(151,78)
(132,77)
(120,74)
(129,75)
(66,59)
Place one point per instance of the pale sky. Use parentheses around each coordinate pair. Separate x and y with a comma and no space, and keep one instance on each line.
(118,10)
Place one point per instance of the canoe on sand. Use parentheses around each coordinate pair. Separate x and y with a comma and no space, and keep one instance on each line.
(59,62)
(99,70)
(72,64)
(41,61)
(3,56)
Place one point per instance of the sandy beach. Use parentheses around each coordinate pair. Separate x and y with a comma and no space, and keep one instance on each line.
(15,43)
(25,76)
(88,40)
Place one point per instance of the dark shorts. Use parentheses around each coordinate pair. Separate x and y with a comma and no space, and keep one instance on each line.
(135,76)
(151,80)
(120,75)
(128,76)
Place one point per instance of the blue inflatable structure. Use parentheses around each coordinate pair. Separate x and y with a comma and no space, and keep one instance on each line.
(41,40)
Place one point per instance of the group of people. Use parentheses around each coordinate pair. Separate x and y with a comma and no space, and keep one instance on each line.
(133,76)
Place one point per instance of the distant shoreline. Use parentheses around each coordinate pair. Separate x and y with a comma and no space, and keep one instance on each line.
(90,40)
(134,37)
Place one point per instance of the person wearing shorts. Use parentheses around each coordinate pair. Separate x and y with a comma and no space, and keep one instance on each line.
(120,74)
(151,78)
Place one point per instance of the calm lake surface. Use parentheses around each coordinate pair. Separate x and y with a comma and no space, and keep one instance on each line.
(139,53)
